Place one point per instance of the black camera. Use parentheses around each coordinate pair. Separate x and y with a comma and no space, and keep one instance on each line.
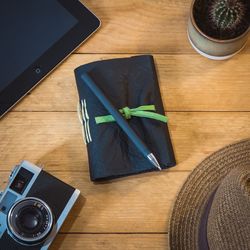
(33,208)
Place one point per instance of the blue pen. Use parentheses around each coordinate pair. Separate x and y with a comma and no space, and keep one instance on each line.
(120,120)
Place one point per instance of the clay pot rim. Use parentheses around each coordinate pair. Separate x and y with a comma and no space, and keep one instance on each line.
(212,38)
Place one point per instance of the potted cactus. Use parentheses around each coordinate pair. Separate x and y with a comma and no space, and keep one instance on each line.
(218,29)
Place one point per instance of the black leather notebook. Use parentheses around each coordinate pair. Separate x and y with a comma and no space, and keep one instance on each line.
(127,82)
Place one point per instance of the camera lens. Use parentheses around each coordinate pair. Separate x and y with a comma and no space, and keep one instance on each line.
(30,221)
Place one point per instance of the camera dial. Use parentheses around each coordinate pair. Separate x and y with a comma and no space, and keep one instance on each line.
(30,221)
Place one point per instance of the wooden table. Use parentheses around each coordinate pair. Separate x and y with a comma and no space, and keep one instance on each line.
(208,104)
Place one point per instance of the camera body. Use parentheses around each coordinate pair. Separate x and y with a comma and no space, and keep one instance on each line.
(33,208)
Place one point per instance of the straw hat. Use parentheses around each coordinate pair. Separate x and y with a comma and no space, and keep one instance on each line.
(212,209)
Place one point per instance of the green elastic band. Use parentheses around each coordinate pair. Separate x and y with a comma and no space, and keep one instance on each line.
(142,111)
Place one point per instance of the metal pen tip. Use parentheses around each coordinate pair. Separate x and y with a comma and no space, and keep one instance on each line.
(153,160)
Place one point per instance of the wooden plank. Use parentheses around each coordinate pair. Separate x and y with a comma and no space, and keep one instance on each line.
(187,84)
(140,26)
(138,204)
(54,138)
(110,241)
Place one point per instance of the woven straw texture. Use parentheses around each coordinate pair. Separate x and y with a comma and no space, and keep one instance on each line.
(201,183)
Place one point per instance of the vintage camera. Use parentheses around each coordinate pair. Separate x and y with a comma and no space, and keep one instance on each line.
(33,207)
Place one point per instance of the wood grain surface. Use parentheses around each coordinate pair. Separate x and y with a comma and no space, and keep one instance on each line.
(54,139)
(207,102)
(188,83)
(111,241)
(141,26)
(140,204)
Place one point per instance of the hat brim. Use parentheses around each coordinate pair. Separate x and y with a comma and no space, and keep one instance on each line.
(194,194)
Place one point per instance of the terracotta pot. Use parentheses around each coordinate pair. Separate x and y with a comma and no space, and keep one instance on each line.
(211,47)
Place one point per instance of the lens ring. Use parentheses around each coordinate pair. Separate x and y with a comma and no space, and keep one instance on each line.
(30,220)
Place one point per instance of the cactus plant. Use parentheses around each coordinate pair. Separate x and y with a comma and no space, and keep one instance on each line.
(227,14)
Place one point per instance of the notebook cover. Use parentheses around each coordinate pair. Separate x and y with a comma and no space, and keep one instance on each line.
(130,82)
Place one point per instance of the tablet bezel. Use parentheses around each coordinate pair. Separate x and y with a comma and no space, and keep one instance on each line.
(87,24)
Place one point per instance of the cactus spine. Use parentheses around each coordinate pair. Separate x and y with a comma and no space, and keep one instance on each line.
(227,14)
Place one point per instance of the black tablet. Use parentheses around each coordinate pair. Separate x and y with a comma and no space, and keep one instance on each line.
(35,37)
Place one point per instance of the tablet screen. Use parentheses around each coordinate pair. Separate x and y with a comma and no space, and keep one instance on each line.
(27,32)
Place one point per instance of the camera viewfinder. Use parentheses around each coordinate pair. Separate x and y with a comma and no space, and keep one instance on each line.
(21,181)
